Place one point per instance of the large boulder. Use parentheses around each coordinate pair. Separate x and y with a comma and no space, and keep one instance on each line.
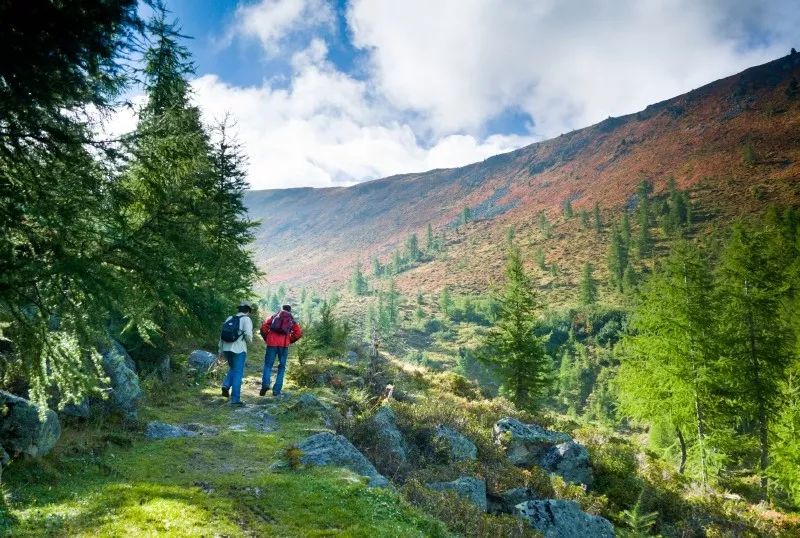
(563,519)
(457,446)
(201,360)
(570,461)
(309,405)
(329,449)
(125,390)
(389,440)
(471,488)
(23,430)
(529,444)
(506,501)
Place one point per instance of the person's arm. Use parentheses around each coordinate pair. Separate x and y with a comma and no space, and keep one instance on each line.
(248,330)
(297,332)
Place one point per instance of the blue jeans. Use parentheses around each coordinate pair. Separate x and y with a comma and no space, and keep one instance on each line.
(269,361)
(233,379)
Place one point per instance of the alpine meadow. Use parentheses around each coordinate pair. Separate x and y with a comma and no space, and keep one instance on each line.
(311,268)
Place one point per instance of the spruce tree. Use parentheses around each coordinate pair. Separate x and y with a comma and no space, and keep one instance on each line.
(511,346)
(445,302)
(669,367)
(625,231)
(598,222)
(588,286)
(753,285)
(567,206)
(358,282)
(412,251)
(430,242)
(617,259)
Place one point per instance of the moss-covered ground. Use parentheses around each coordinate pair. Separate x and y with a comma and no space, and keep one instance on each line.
(106,479)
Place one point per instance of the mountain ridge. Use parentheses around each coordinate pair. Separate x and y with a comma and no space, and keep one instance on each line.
(697,138)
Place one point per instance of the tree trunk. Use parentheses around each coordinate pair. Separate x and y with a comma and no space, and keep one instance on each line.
(682,442)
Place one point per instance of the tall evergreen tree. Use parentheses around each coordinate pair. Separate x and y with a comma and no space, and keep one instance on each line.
(753,282)
(617,259)
(567,206)
(625,230)
(588,286)
(430,242)
(511,346)
(358,282)
(412,251)
(669,370)
(598,221)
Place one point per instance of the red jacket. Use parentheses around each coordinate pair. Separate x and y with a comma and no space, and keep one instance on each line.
(274,339)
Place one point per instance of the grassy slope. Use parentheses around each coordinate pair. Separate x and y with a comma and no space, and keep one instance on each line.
(104,481)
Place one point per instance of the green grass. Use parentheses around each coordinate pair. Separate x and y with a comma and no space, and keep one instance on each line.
(103,480)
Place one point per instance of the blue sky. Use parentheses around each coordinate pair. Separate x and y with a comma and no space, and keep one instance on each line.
(330,93)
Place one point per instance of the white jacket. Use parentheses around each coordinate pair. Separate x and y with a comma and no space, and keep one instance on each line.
(240,345)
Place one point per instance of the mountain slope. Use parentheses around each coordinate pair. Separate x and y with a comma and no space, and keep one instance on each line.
(316,235)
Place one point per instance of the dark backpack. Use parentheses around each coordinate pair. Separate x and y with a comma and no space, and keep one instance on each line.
(282,323)
(230,330)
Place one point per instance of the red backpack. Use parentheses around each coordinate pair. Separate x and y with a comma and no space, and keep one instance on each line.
(282,323)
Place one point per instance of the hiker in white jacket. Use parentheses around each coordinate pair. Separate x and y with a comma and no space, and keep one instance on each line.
(237,332)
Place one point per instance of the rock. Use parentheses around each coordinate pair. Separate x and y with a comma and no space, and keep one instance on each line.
(164,367)
(351,358)
(390,442)
(125,390)
(257,419)
(563,519)
(81,410)
(23,431)
(329,449)
(117,348)
(458,446)
(309,405)
(201,360)
(529,444)
(569,460)
(507,501)
(161,430)
(471,488)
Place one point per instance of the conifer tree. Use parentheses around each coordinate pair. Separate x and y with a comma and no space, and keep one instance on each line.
(430,242)
(669,364)
(445,302)
(584,219)
(377,268)
(625,231)
(358,282)
(567,206)
(466,216)
(598,222)
(539,258)
(752,280)
(412,251)
(511,346)
(588,287)
(617,259)
(544,225)
(644,242)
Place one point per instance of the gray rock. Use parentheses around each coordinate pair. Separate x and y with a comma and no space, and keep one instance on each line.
(309,405)
(23,431)
(164,367)
(117,348)
(80,410)
(569,460)
(525,444)
(329,449)
(201,360)
(458,446)
(125,390)
(390,440)
(563,519)
(351,358)
(529,444)
(256,419)
(472,489)
(161,430)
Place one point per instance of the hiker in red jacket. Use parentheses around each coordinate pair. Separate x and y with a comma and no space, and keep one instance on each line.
(279,332)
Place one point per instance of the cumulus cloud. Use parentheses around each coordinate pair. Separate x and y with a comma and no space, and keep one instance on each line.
(327,128)
(273,21)
(567,64)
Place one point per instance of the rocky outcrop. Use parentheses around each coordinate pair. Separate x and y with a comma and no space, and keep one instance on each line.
(529,444)
(457,446)
(201,360)
(23,431)
(161,430)
(570,461)
(329,449)
(563,519)
(310,406)
(125,390)
(471,488)
(389,440)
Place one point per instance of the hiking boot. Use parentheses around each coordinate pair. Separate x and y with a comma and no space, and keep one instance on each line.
(263,390)
(226,392)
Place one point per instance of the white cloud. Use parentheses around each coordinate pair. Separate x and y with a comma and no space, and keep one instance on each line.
(327,129)
(567,64)
(272,21)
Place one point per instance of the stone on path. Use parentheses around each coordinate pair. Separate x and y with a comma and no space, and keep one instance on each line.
(329,449)
(161,430)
